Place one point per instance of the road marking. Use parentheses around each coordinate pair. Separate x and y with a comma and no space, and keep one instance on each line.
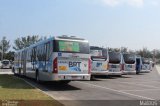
(140,85)
(158,68)
(116,90)
(143,90)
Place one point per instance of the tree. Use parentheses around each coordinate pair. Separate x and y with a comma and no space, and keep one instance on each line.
(114,49)
(4,45)
(145,53)
(124,49)
(24,42)
(9,55)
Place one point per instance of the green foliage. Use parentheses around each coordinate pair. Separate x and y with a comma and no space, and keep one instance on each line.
(9,55)
(114,49)
(145,53)
(4,44)
(24,42)
(122,49)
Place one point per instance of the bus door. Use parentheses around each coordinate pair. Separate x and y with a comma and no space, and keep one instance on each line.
(24,62)
(33,59)
(138,65)
(48,51)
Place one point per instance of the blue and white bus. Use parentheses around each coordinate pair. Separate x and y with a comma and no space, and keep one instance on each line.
(99,58)
(60,58)
(116,65)
(146,65)
(129,63)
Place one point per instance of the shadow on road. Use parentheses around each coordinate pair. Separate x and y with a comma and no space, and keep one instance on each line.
(55,86)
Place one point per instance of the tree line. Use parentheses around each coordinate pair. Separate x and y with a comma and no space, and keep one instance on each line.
(24,42)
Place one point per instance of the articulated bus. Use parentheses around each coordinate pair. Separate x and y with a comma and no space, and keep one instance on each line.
(99,58)
(129,63)
(115,63)
(60,58)
(146,65)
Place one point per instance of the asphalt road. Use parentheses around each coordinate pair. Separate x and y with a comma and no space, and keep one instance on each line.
(145,86)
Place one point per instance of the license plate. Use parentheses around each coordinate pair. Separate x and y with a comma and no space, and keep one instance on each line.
(129,66)
(111,70)
(113,66)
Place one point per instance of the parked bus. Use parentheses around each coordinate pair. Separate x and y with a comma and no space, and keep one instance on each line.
(146,65)
(115,63)
(99,58)
(60,58)
(138,64)
(6,64)
(129,63)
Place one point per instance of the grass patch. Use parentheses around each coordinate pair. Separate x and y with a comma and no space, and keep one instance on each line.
(12,88)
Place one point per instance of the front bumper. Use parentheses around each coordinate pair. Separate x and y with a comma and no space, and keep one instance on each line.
(115,73)
(71,77)
(129,72)
(145,71)
(99,72)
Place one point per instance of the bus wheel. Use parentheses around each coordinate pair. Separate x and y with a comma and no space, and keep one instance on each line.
(19,72)
(37,76)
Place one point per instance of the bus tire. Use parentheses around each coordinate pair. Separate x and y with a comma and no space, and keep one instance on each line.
(37,76)
(19,72)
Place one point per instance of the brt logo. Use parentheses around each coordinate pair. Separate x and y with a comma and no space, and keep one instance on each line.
(74,64)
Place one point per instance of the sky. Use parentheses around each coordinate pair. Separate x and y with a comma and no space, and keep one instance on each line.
(113,23)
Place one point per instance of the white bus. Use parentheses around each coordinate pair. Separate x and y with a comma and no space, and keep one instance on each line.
(146,65)
(99,58)
(6,64)
(129,63)
(60,58)
(115,63)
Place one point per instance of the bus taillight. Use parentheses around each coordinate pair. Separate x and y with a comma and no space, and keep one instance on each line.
(89,66)
(55,67)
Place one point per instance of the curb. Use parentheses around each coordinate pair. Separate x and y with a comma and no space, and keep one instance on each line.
(158,69)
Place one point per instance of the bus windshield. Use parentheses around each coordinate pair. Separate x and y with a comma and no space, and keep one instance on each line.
(98,53)
(129,58)
(114,57)
(145,61)
(71,46)
(5,62)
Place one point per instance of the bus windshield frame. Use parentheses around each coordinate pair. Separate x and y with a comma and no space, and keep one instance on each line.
(77,46)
